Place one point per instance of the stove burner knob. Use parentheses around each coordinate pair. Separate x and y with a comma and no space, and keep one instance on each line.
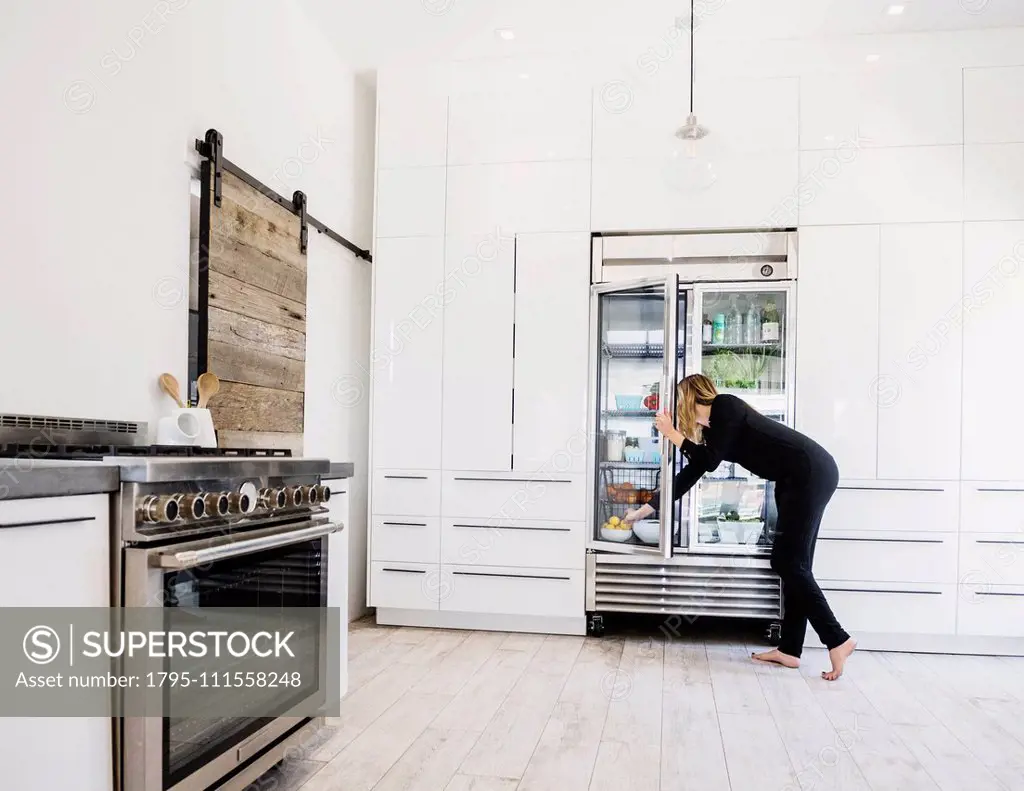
(312,494)
(191,506)
(217,503)
(239,503)
(159,509)
(296,496)
(273,498)
(323,493)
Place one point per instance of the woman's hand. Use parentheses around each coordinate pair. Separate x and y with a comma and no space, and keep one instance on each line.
(663,422)
(637,514)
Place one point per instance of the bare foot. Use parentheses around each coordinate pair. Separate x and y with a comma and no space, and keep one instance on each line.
(839,655)
(776,656)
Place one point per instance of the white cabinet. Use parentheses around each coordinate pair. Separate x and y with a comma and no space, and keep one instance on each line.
(551,336)
(919,350)
(993,306)
(521,543)
(405,586)
(895,105)
(406,538)
(891,608)
(55,552)
(881,185)
(512,591)
(410,202)
(521,126)
(886,557)
(407,492)
(990,610)
(477,371)
(405,360)
(837,350)
(994,105)
(548,496)
(883,508)
(404,106)
(519,197)
(993,181)
(992,507)
(993,559)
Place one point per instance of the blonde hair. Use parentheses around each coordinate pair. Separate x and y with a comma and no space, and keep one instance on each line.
(692,390)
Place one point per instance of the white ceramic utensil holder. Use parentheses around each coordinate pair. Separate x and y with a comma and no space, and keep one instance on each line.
(187,427)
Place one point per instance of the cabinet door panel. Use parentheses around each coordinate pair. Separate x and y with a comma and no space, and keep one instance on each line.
(551,308)
(837,350)
(918,389)
(405,361)
(992,374)
(477,389)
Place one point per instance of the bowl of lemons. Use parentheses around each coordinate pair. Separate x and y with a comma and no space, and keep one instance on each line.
(616,530)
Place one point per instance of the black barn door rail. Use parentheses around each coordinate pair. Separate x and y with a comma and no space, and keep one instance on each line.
(212,149)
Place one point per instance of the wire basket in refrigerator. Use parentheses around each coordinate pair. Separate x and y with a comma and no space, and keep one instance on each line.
(629,485)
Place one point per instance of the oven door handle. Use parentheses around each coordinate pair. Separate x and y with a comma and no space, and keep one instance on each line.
(187,559)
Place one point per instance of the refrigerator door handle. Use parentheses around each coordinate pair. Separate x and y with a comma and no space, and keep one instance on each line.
(666,403)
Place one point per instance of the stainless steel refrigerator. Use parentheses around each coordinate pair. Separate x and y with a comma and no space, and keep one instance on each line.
(663,307)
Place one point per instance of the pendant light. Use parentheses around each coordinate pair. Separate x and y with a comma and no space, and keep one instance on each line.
(691,131)
(688,172)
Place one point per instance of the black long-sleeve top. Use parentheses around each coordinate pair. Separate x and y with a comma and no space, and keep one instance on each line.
(739,433)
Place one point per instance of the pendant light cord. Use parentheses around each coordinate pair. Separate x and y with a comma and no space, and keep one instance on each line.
(691,57)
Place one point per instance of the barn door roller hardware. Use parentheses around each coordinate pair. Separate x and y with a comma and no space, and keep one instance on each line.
(212,149)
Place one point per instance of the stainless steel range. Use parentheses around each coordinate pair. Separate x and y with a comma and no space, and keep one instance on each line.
(218,532)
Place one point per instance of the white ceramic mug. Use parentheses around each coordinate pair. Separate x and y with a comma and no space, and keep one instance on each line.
(187,427)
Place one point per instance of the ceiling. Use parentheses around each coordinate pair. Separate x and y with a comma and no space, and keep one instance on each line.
(371,33)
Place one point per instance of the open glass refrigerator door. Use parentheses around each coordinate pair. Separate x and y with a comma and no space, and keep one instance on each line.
(636,357)
(746,349)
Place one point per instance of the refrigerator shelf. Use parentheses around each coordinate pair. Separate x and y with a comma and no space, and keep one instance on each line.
(637,351)
(647,413)
(773,349)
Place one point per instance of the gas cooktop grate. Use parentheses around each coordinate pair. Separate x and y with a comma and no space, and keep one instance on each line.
(97,452)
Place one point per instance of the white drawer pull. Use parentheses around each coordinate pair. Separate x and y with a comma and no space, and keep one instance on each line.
(406,477)
(881,590)
(405,524)
(40,522)
(406,571)
(509,527)
(515,480)
(885,540)
(510,576)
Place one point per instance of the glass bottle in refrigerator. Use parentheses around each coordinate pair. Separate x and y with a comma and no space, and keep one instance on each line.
(733,323)
(708,331)
(770,324)
(718,335)
(753,324)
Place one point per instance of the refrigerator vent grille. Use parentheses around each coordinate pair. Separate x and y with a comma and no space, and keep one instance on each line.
(687,590)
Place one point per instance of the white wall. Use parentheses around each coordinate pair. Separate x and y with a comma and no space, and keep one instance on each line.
(97,147)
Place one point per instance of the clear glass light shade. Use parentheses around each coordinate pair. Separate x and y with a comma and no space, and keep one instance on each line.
(688,169)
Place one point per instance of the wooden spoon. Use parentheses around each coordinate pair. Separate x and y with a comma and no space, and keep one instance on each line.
(170,386)
(208,385)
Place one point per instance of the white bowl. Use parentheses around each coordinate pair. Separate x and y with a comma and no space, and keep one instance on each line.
(740,532)
(648,530)
(616,535)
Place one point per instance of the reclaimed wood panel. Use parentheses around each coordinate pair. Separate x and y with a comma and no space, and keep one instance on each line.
(256,319)
(240,407)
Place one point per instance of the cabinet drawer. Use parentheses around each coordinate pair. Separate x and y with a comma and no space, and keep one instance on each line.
(512,543)
(931,507)
(407,586)
(892,608)
(407,492)
(512,591)
(992,558)
(558,497)
(993,508)
(410,538)
(991,611)
(886,557)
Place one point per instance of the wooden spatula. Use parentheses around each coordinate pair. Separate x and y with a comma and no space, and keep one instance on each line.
(170,386)
(208,385)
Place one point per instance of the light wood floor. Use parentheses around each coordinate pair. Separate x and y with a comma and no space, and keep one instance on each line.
(480,711)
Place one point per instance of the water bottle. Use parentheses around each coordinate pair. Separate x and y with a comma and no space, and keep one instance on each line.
(753,324)
(733,324)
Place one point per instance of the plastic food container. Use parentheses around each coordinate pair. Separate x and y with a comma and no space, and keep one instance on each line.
(633,402)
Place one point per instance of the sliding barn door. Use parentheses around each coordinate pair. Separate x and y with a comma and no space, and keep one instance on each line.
(255,318)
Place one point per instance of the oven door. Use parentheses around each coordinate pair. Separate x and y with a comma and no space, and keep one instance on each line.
(283,566)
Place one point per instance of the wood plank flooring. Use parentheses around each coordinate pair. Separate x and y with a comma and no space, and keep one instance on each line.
(442,710)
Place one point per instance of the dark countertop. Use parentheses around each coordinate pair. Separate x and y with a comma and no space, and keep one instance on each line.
(340,469)
(21,479)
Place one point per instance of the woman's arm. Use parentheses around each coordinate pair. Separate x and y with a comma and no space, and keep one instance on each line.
(685,480)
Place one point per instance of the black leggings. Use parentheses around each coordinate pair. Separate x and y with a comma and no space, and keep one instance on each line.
(801,504)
